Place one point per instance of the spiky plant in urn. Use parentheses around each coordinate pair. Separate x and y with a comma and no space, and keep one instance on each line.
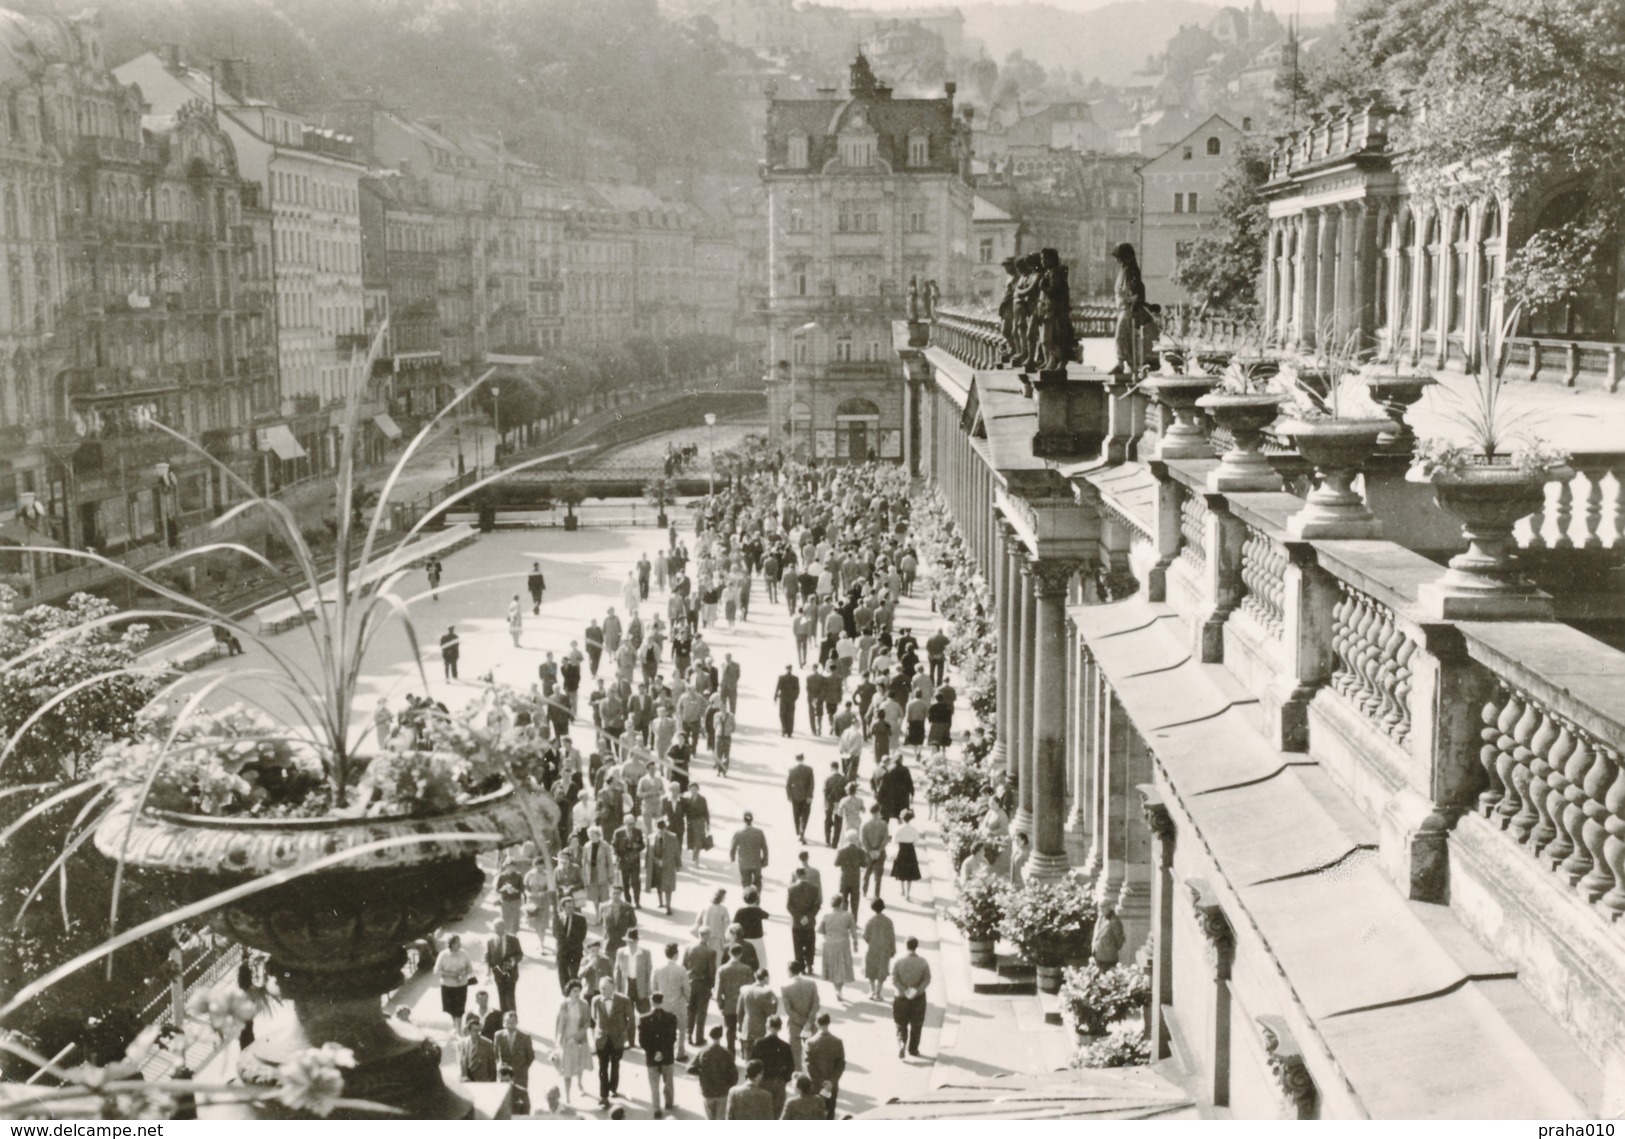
(1332,421)
(274,821)
(1492,472)
(1245,403)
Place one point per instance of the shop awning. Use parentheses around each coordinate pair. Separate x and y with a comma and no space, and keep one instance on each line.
(387,425)
(279,439)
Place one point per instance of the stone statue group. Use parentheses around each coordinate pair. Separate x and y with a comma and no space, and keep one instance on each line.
(1036,313)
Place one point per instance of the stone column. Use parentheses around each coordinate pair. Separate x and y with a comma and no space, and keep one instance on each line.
(1161,825)
(1050,583)
(1326,273)
(1346,314)
(1001,625)
(1077,818)
(1221,954)
(1026,646)
(1308,278)
(1367,259)
(1117,740)
(1272,284)
(1010,654)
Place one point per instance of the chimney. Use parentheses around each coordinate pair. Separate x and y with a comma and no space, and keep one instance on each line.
(235,78)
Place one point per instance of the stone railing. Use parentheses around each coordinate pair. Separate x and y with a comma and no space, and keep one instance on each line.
(1263,577)
(976,336)
(1329,136)
(1193,529)
(1489,757)
(1554,784)
(1373,670)
(1596,365)
(1585,512)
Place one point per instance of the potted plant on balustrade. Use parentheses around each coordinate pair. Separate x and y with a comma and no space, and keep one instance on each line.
(1245,403)
(1093,999)
(1490,473)
(1395,388)
(1181,435)
(658,493)
(1050,924)
(1177,345)
(275,821)
(1335,426)
(977,912)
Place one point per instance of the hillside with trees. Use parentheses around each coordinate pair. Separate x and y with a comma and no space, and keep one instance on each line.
(544,74)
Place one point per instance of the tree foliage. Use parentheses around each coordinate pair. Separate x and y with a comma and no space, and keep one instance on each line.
(1221,270)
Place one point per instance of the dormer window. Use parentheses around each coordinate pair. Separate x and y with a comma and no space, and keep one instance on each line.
(857,150)
(919,148)
(798,150)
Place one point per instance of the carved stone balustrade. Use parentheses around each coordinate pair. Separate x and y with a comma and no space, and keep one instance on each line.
(1373,671)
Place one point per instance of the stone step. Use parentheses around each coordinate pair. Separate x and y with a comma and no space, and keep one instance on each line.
(1011,977)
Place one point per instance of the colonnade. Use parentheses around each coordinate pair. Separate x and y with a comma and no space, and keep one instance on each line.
(1396,276)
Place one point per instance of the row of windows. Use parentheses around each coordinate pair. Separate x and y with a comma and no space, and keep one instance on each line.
(319,193)
(1186,203)
(859,150)
(1213,147)
(335,256)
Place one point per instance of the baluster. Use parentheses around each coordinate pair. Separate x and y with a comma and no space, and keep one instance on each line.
(1540,747)
(1565,515)
(1387,712)
(1593,507)
(1490,717)
(1597,880)
(1379,647)
(1341,627)
(1619,507)
(1360,649)
(1511,802)
(1522,732)
(1613,847)
(1400,729)
(1578,862)
(1537,524)
(1557,778)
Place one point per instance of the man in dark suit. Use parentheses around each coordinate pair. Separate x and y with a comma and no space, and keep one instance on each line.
(826,1061)
(778,1062)
(515,1054)
(834,791)
(657,1036)
(785,693)
(450,650)
(798,788)
(803,903)
(612,1022)
(718,1074)
(537,584)
(502,957)
(570,934)
(701,962)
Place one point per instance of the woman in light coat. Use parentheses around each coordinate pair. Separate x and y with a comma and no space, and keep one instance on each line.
(571,1032)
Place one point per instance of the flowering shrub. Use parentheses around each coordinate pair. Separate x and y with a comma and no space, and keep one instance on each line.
(1125,1048)
(233,762)
(1094,998)
(980,907)
(1044,919)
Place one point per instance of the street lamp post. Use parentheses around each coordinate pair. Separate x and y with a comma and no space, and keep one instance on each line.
(496,422)
(711,443)
(794,336)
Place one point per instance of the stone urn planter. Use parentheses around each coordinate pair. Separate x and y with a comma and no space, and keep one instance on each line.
(1244,415)
(337,936)
(1338,448)
(1213,362)
(1397,394)
(1184,438)
(1484,582)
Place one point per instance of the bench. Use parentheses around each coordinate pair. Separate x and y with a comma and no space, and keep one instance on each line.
(193,650)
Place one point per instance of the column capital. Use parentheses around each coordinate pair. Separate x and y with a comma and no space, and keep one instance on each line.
(1221,939)
(1052,577)
(1157,819)
(1287,1065)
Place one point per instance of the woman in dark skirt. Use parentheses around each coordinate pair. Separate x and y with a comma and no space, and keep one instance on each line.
(905,864)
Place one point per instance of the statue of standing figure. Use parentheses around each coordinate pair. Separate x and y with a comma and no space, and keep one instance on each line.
(1027,298)
(1007,311)
(931,295)
(914,298)
(1058,345)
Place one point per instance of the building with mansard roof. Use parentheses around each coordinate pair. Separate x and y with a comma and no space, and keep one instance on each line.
(866,193)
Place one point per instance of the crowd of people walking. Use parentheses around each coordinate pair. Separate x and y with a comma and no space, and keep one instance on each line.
(635,826)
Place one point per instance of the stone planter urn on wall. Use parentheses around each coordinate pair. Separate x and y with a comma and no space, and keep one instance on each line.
(336,937)
(1484,582)
(1397,394)
(1338,448)
(1184,438)
(1244,415)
